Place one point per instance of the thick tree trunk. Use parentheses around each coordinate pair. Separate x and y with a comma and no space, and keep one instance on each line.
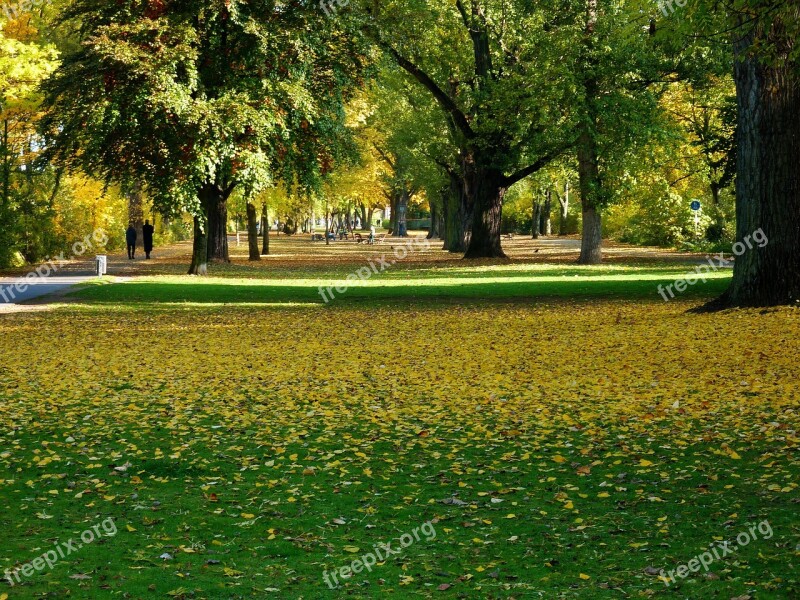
(265,230)
(768,175)
(252,232)
(588,173)
(592,238)
(217,212)
(487,189)
(458,216)
(364,222)
(588,167)
(199,264)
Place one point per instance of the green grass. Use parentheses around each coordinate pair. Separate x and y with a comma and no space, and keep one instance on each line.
(518,282)
(262,454)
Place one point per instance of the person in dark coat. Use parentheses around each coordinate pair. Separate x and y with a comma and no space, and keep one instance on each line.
(130,239)
(147,237)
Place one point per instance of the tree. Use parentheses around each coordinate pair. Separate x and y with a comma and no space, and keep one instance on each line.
(707,111)
(201,98)
(766,73)
(24,63)
(621,69)
(495,74)
(767,76)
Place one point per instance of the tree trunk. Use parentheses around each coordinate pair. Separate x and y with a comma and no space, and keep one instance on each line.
(588,168)
(400,228)
(327,225)
(199,264)
(265,230)
(537,216)
(768,177)
(364,224)
(486,190)
(435,228)
(252,232)
(458,216)
(564,214)
(545,226)
(592,237)
(392,214)
(217,212)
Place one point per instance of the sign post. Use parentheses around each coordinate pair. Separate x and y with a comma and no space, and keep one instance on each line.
(695,206)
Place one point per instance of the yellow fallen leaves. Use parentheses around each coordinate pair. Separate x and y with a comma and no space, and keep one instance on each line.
(275,419)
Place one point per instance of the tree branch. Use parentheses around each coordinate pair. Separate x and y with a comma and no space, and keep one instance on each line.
(447,103)
(385,157)
(537,166)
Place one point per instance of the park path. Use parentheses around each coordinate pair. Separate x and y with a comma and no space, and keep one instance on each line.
(16,290)
(40,291)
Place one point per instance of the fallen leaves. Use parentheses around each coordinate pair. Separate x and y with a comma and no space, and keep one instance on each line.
(274,442)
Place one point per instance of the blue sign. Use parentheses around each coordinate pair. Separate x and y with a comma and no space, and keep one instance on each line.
(695,205)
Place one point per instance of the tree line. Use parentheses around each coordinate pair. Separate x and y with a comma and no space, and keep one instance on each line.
(198,100)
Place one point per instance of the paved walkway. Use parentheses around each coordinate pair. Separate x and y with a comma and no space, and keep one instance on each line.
(32,288)
(14,298)
(41,291)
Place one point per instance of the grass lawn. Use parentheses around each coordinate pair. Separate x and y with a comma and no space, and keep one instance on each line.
(548,433)
(409,283)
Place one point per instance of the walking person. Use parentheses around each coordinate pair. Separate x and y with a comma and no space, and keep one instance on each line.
(130,239)
(147,238)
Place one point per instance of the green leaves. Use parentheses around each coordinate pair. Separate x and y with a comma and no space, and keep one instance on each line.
(177,96)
